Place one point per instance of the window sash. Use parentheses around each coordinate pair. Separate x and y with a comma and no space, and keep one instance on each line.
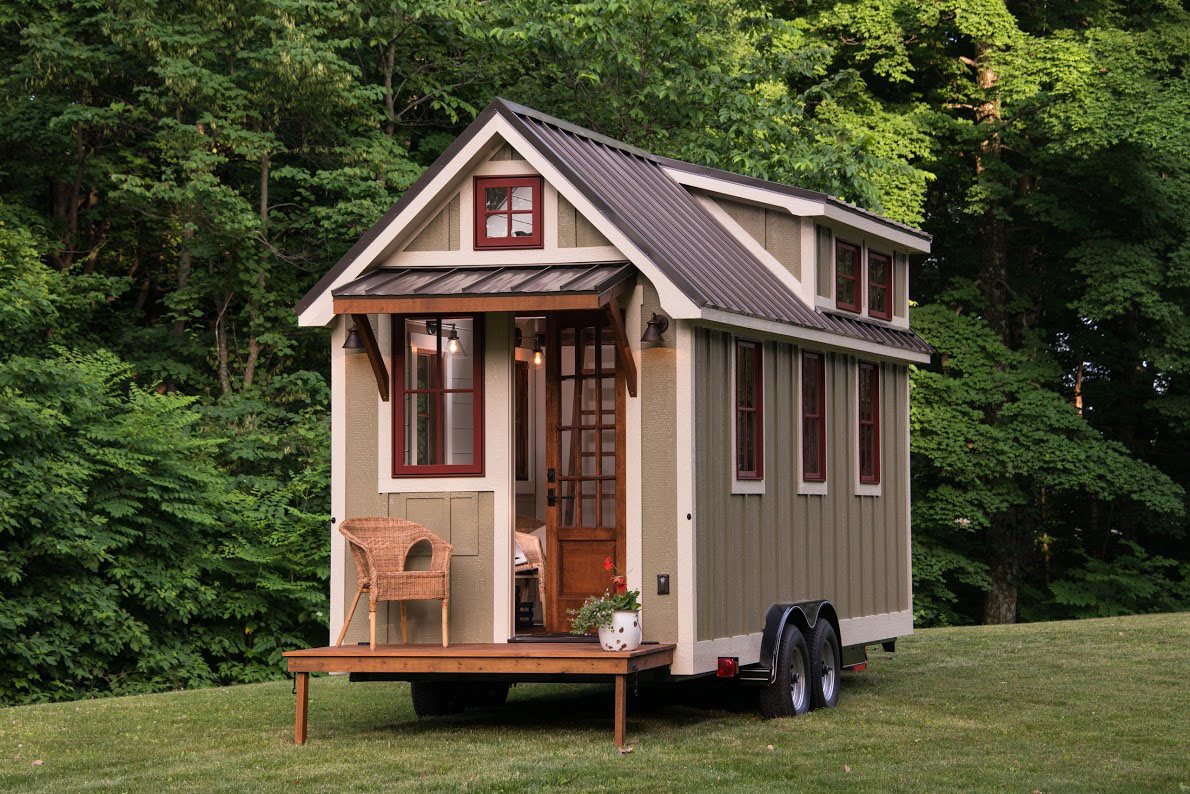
(434,402)
(868,415)
(847,284)
(508,212)
(813,417)
(749,411)
(879,303)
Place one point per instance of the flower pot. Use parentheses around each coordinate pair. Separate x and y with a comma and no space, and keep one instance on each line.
(623,634)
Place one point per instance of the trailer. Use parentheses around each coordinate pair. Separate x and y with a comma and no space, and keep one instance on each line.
(557,348)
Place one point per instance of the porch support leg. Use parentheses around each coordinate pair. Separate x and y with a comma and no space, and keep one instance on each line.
(621,708)
(299,722)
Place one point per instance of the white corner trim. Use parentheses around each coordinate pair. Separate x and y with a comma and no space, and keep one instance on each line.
(874,628)
(863,488)
(686,519)
(633,466)
(803,487)
(707,652)
(338,475)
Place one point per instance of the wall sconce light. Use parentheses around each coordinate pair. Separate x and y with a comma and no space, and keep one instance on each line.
(353,342)
(432,327)
(655,328)
(538,357)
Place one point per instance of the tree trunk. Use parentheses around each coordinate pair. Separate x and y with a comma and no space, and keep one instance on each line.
(1000,603)
(184,265)
(254,346)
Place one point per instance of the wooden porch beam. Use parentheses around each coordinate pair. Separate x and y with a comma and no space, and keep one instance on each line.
(623,349)
(374,358)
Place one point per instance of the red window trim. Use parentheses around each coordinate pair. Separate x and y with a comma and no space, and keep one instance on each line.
(886,285)
(482,241)
(817,472)
(400,469)
(757,409)
(872,477)
(857,280)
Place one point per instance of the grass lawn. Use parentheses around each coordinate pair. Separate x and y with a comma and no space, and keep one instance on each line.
(1096,705)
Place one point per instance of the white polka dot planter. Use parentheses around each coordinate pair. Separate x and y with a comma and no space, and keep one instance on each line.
(623,634)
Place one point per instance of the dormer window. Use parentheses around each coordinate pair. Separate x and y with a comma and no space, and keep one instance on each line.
(879,281)
(508,212)
(847,276)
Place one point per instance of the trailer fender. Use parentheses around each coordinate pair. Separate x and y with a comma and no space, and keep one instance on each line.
(804,615)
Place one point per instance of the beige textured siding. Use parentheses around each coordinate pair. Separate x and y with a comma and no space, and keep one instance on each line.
(440,234)
(574,230)
(757,549)
(506,152)
(822,249)
(900,285)
(776,231)
(659,540)
(463,518)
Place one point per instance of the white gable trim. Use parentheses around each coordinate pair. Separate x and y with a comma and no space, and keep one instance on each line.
(321,312)
(799,206)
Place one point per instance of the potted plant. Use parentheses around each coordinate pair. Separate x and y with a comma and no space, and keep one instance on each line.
(616,617)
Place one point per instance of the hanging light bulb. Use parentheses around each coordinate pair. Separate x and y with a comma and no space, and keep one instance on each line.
(453,344)
(538,357)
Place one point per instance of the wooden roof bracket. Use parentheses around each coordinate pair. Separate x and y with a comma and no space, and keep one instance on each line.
(623,350)
(373,350)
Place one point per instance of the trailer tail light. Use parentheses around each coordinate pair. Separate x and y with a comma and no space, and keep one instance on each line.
(729,667)
(859,667)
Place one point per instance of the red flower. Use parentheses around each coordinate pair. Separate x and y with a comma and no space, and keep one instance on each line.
(607,564)
(621,584)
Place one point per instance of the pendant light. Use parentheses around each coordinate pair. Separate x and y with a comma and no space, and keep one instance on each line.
(453,344)
(538,357)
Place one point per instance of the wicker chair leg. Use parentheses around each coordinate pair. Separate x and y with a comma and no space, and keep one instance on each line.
(445,635)
(404,626)
(372,621)
(350,614)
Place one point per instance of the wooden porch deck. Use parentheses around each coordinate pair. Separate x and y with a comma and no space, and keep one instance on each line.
(508,660)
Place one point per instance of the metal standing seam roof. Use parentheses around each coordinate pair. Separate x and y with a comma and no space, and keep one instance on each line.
(425,282)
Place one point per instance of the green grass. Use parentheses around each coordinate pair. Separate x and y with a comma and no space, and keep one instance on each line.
(1096,705)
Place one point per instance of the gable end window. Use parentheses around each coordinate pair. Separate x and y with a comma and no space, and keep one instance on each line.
(879,285)
(438,395)
(749,411)
(847,276)
(869,423)
(813,417)
(508,212)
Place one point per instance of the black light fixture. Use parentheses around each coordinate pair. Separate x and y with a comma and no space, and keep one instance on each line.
(655,328)
(538,356)
(453,344)
(353,342)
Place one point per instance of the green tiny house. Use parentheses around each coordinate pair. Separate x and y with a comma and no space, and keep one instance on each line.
(756,456)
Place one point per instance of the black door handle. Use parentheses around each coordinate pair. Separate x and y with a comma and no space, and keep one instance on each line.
(551,497)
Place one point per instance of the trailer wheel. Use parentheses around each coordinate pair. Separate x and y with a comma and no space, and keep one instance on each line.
(490,695)
(433,698)
(825,665)
(789,694)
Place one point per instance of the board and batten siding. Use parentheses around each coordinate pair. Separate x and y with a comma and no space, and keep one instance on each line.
(753,550)
(464,518)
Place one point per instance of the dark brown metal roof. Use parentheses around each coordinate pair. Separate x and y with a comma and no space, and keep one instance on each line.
(875,332)
(433,282)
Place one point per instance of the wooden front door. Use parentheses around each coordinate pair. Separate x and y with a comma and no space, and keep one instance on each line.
(585,518)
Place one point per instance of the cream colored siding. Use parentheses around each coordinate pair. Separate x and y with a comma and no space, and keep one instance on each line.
(440,234)
(465,519)
(757,549)
(506,152)
(826,267)
(574,230)
(900,285)
(776,231)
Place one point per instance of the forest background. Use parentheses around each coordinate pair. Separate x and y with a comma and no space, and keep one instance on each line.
(174,176)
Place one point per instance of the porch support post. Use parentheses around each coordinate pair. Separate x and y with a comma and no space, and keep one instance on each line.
(299,723)
(621,709)
(374,358)
(623,350)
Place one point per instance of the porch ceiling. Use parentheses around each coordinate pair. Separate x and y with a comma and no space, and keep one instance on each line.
(410,290)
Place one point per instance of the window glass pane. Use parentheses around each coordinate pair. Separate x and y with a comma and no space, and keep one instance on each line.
(495,198)
(438,400)
(458,442)
(496,226)
(522,224)
(522,198)
(607,516)
(422,440)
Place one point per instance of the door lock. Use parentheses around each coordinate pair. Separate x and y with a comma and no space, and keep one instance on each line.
(551,497)
(550,476)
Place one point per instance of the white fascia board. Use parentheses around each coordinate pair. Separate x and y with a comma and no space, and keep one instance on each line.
(813,336)
(673,300)
(801,207)
(321,311)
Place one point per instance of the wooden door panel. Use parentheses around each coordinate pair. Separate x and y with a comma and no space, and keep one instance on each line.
(582,572)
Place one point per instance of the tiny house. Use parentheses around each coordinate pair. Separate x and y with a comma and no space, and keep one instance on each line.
(701,375)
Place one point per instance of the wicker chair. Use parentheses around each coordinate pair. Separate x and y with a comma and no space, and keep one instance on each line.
(534,554)
(380,546)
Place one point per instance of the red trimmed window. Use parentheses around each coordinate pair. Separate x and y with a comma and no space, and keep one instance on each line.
(438,395)
(847,276)
(813,417)
(879,281)
(869,423)
(508,212)
(749,411)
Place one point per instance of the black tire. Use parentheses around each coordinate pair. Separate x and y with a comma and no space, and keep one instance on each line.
(432,698)
(490,695)
(789,694)
(825,665)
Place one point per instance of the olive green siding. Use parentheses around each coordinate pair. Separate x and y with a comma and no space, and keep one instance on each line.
(465,519)
(776,231)
(442,233)
(752,550)
(658,440)
(574,230)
